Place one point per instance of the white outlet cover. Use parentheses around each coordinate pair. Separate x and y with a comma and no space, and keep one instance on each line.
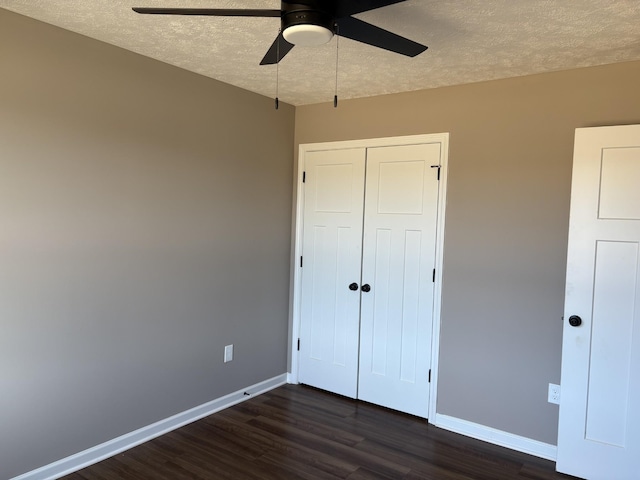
(554,394)
(228,353)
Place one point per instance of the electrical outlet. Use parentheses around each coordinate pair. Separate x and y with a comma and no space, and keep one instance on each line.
(554,394)
(228,353)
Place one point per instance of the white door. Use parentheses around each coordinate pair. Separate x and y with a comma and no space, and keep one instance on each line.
(331,256)
(599,427)
(398,265)
(393,317)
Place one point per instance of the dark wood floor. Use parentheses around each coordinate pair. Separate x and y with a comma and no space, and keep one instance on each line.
(299,432)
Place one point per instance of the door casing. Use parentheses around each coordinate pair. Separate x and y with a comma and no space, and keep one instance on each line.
(443,139)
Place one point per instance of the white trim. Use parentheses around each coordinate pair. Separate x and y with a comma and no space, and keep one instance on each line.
(443,139)
(297,273)
(373,142)
(117,445)
(497,437)
(439,260)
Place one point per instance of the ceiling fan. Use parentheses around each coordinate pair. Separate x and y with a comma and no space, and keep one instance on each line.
(312,22)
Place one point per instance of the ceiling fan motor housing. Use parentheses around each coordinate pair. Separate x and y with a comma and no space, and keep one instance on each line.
(307,24)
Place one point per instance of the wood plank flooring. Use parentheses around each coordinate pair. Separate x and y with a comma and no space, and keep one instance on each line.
(297,432)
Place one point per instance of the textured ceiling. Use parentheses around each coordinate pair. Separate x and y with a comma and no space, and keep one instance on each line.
(469,41)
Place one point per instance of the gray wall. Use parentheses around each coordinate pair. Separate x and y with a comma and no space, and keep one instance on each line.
(506,224)
(144,224)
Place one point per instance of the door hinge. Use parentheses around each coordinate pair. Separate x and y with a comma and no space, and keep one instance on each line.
(300,261)
(304,177)
(299,349)
(433,279)
(438,167)
(429,372)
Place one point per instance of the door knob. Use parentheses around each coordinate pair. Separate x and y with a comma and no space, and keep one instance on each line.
(353,287)
(366,287)
(575,321)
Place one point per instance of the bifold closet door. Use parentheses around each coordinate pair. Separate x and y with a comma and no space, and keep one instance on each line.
(368,253)
(332,259)
(398,261)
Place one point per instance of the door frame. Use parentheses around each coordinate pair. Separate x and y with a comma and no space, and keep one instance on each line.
(443,139)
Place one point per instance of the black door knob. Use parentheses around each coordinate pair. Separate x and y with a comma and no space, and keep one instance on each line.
(366,287)
(353,287)
(575,321)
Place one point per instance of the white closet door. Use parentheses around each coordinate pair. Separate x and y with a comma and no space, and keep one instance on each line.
(332,254)
(398,262)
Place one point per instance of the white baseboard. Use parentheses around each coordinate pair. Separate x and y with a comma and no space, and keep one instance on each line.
(291,380)
(497,437)
(117,445)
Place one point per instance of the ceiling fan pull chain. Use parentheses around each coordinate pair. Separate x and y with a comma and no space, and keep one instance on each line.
(278,67)
(335,96)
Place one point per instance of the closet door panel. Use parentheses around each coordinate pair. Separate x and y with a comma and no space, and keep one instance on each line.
(398,261)
(331,253)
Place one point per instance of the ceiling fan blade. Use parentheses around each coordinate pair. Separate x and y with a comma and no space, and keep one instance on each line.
(351,7)
(217,12)
(279,48)
(378,37)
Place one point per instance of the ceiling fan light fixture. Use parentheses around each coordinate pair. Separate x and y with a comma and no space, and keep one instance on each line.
(307,35)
